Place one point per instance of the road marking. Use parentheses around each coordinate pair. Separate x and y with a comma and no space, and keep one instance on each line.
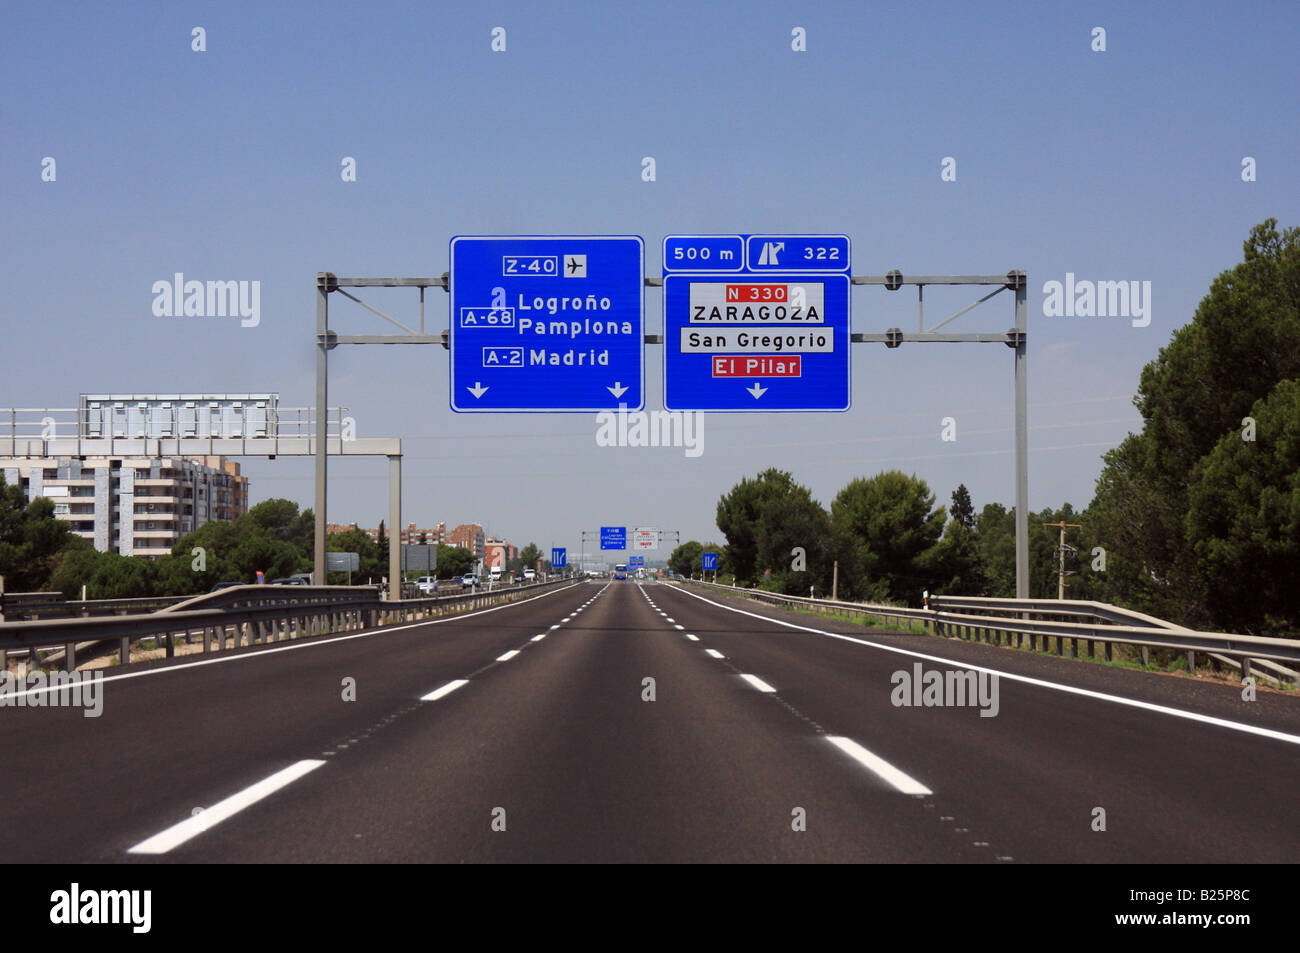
(508,656)
(178,834)
(1026,679)
(679,628)
(447,689)
(693,638)
(904,782)
(714,652)
(758,683)
(538,638)
(670,618)
(553,628)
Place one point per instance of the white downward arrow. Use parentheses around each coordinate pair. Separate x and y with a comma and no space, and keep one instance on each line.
(757,390)
(618,390)
(478,390)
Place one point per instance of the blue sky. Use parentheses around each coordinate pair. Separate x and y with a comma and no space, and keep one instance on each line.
(1122,165)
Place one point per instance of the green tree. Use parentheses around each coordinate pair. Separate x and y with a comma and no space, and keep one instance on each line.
(529,556)
(765,520)
(454,561)
(883,527)
(685,558)
(369,563)
(31,539)
(963,510)
(1243,341)
(1244,519)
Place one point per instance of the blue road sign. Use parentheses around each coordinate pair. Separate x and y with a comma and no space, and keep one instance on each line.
(800,253)
(559,558)
(613,537)
(635,561)
(725,254)
(697,253)
(547,323)
(709,562)
(773,336)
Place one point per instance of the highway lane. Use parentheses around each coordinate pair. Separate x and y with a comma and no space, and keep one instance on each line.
(170,737)
(1029,779)
(564,742)
(538,709)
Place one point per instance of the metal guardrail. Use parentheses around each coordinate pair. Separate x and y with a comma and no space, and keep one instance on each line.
(992,620)
(18,606)
(252,615)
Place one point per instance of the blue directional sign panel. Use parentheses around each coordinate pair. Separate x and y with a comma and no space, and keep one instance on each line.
(772,337)
(709,562)
(635,561)
(559,558)
(547,323)
(613,537)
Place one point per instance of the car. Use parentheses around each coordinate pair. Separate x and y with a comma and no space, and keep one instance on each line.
(529,575)
(225,585)
(289,581)
(427,585)
(468,581)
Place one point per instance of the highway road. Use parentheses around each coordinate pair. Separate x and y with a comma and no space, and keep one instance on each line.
(526,733)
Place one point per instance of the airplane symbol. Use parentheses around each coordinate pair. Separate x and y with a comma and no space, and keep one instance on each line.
(573,264)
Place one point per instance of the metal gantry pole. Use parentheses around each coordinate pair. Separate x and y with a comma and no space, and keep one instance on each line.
(395,527)
(322,415)
(1022,445)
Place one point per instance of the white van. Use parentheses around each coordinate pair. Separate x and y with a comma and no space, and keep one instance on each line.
(495,574)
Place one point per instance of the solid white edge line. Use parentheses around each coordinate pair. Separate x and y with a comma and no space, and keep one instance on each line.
(1026,679)
(178,834)
(758,683)
(447,689)
(714,652)
(508,656)
(879,766)
(305,643)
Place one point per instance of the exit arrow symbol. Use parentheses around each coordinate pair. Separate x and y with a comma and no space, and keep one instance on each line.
(478,390)
(757,390)
(618,390)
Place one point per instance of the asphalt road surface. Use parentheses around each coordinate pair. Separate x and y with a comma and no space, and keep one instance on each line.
(529,732)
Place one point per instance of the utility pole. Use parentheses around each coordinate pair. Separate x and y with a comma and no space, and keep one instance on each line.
(1061,573)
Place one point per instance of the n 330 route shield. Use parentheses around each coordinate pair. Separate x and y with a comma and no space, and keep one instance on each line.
(547,324)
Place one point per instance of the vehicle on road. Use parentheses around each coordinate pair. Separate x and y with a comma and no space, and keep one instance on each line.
(427,585)
(225,585)
(620,571)
(530,575)
(468,581)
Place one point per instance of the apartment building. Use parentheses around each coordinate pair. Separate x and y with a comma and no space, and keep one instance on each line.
(136,506)
(469,536)
(411,536)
